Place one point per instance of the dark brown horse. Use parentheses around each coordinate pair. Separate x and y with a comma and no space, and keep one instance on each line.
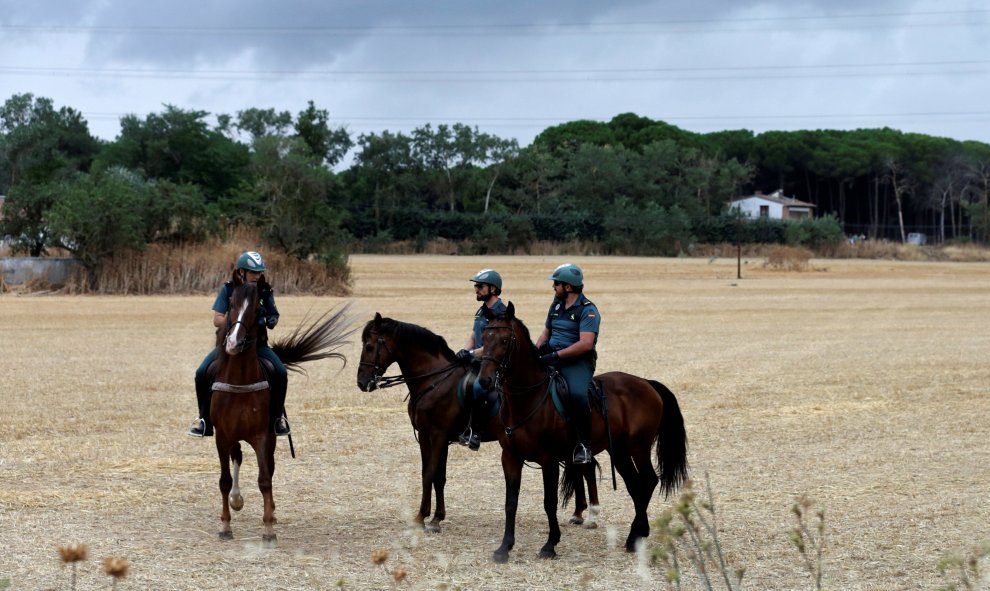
(431,373)
(642,414)
(240,406)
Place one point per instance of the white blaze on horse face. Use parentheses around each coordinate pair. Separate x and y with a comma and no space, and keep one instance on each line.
(232,337)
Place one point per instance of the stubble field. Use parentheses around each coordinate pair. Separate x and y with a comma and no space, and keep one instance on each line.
(860,384)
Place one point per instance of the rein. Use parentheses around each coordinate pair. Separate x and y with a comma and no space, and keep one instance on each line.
(382,381)
(501,370)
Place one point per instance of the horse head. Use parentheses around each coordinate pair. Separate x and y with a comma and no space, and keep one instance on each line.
(376,354)
(242,314)
(500,343)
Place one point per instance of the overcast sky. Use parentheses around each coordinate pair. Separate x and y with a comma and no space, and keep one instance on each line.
(513,68)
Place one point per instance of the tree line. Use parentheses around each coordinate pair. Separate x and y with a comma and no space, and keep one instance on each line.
(632,184)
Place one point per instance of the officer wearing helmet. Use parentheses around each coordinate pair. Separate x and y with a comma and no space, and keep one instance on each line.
(487,289)
(568,344)
(251,268)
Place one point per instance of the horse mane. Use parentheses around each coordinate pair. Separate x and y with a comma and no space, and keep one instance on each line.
(407,334)
(525,331)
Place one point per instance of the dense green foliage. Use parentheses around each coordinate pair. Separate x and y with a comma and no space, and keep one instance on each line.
(631,185)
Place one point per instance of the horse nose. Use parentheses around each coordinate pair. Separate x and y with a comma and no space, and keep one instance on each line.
(365,384)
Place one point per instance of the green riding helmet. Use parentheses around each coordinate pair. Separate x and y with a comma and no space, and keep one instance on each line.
(251,261)
(489,276)
(568,273)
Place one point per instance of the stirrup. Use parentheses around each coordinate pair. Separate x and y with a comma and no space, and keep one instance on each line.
(197,429)
(582,455)
(470,439)
(282,427)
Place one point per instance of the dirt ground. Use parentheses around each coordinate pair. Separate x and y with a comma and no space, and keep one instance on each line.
(861,384)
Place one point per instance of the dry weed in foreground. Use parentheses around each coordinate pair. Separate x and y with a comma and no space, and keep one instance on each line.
(72,555)
(116,567)
(810,545)
(963,572)
(689,538)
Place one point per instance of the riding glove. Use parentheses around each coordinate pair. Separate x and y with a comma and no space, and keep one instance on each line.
(463,356)
(549,358)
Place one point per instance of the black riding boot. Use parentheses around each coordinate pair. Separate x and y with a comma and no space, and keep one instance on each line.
(203,427)
(277,387)
(581,416)
(470,437)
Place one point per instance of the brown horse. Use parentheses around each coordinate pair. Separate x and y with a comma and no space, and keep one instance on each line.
(240,406)
(432,374)
(641,414)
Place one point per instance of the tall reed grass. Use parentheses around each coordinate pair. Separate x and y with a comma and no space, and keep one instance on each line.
(202,268)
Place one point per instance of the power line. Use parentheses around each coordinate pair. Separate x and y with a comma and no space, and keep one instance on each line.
(742,73)
(548,28)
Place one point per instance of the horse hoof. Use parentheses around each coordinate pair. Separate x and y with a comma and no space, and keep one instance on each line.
(501,557)
(226,535)
(269,540)
(431,528)
(236,502)
(591,525)
(548,554)
(575,520)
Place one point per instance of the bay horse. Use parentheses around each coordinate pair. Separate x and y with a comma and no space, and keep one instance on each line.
(240,405)
(429,368)
(642,414)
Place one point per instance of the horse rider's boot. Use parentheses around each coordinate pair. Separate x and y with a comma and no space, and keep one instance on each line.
(582,424)
(470,438)
(202,427)
(282,426)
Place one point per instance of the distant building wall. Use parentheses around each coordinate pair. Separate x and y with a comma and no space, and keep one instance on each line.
(18,270)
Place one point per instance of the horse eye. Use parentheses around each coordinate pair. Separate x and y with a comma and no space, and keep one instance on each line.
(368,348)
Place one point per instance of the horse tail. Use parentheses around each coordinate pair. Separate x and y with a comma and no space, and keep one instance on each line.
(573,478)
(317,339)
(671,442)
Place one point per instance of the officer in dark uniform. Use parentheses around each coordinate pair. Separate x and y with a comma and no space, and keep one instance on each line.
(569,341)
(487,289)
(250,266)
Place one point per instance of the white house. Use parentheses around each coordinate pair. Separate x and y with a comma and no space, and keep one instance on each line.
(774,205)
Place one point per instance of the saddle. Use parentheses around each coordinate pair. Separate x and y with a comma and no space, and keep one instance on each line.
(560,394)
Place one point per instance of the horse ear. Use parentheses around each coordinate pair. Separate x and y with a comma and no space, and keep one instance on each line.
(489,315)
(378,321)
(510,311)
(236,279)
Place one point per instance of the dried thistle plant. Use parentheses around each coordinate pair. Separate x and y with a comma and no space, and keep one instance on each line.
(72,555)
(810,544)
(116,567)
(379,556)
(688,537)
(963,571)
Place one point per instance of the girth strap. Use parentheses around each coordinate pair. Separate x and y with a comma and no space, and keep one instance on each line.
(237,388)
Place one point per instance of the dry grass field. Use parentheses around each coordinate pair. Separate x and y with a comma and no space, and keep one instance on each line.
(861,384)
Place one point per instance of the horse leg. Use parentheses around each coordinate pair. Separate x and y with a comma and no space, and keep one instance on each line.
(430,457)
(264,448)
(641,480)
(594,507)
(236,500)
(580,504)
(551,478)
(439,481)
(512,469)
(223,450)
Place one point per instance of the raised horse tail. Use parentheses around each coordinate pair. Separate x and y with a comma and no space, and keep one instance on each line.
(671,442)
(317,339)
